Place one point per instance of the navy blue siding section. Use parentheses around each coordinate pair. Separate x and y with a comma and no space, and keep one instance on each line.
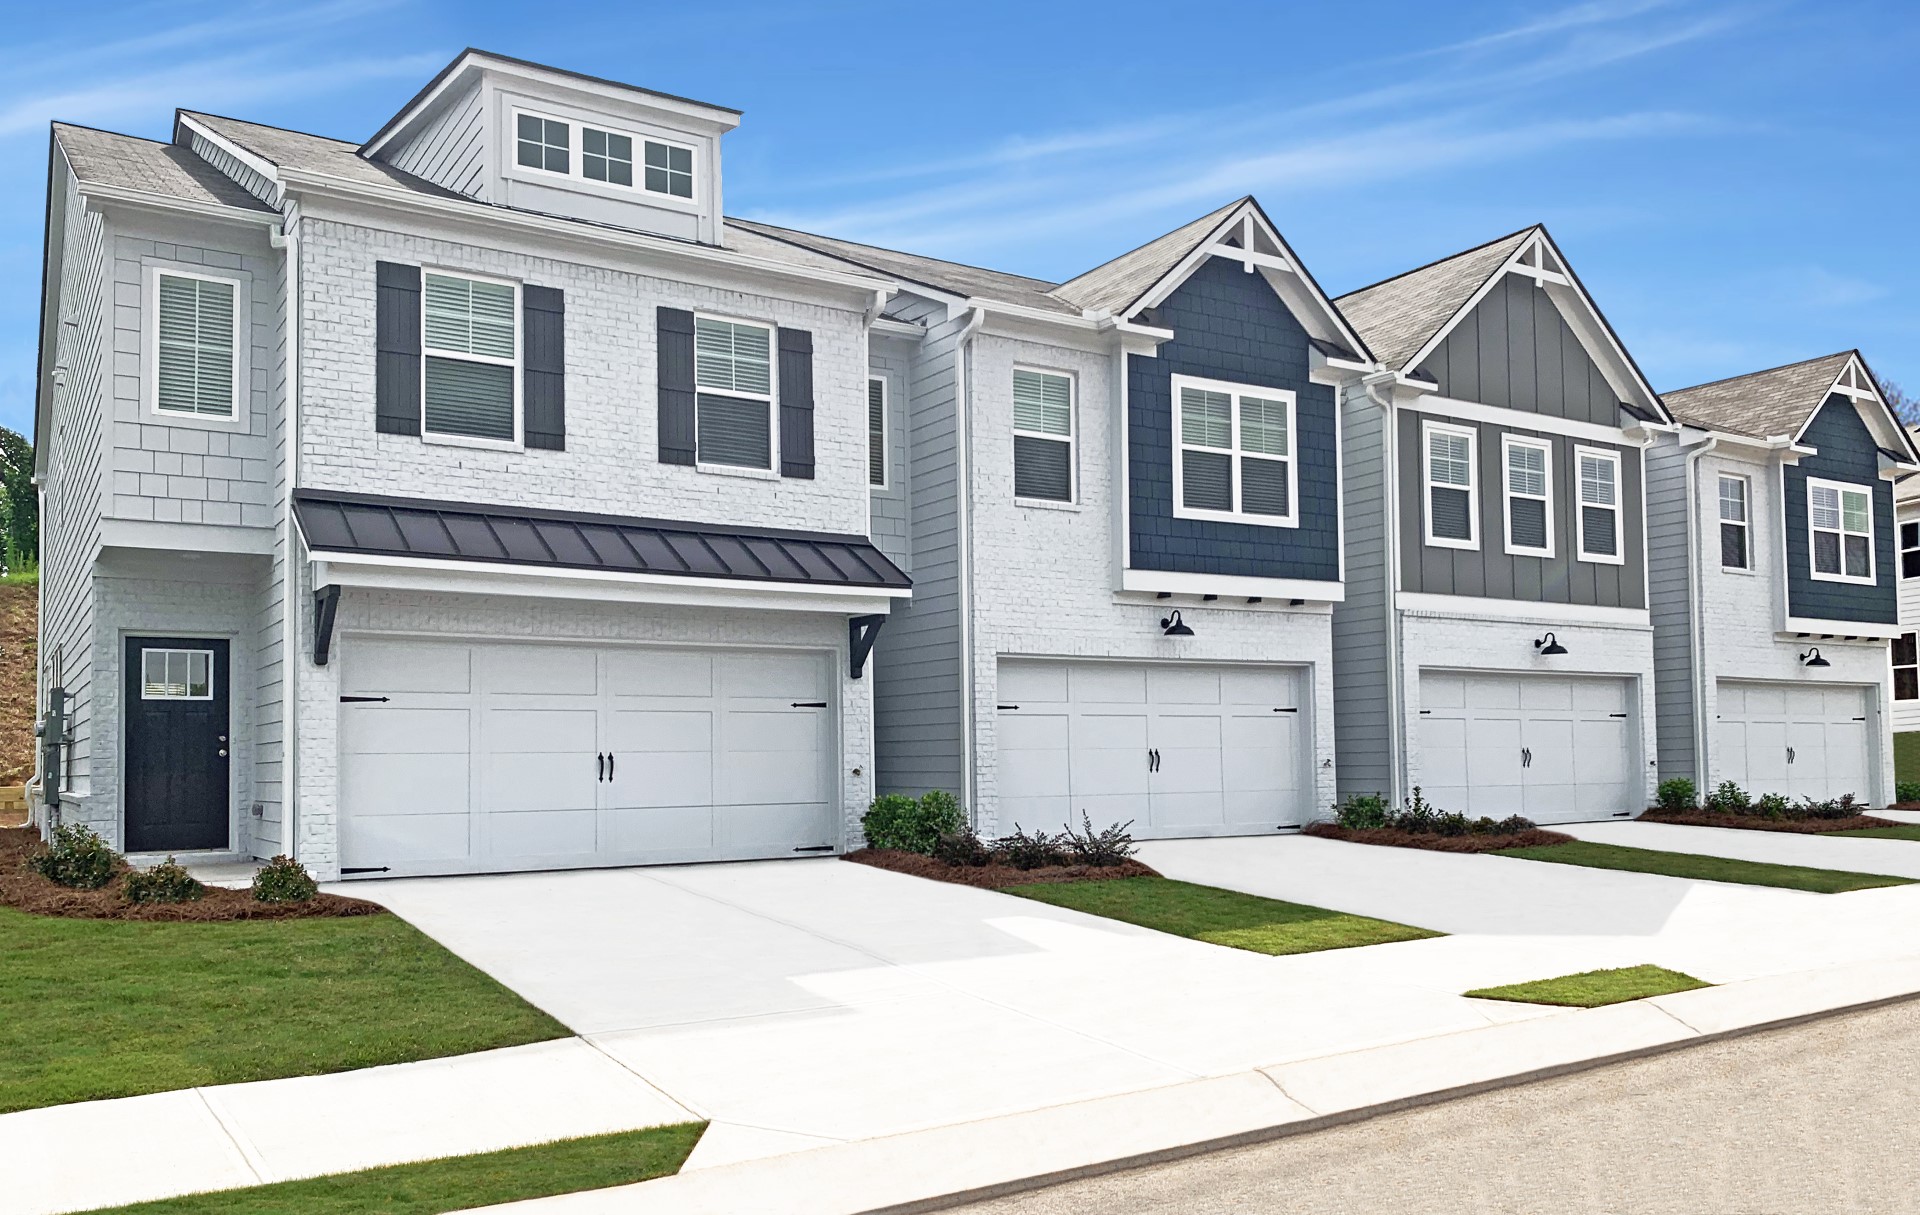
(1229,325)
(1847,453)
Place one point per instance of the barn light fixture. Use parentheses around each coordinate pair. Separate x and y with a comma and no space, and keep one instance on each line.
(1812,658)
(1548,645)
(1173,626)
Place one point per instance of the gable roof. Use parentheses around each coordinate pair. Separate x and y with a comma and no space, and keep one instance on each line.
(1113,285)
(126,162)
(306,153)
(1779,401)
(1400,315)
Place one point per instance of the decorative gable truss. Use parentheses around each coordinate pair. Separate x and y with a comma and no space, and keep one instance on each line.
(1899,455)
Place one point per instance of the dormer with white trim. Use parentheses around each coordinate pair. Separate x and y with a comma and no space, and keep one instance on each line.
(534,138)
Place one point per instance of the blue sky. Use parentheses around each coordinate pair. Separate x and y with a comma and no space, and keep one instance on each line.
(1735,182)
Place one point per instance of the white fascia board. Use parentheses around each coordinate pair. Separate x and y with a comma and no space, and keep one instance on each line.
(413,204)
(1156,582)
(1544,614)
(187,537)
(259,164)
(111,195)
(899,329)
(484,578)
(1520,419)
(1828,629)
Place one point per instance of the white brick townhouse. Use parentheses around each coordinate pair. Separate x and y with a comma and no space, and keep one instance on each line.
(1774,576)
(1495,648)
(1904,651)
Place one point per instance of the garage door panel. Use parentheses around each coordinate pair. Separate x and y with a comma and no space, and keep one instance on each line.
(1549,694)
(1033,682)
(1547,747)
(775,826)
(1110,732)
(676,778)
(1183,686)
(1442,692)
(401,730)
(424,840)
(388,667)
(1443,751)
(1029,812)
(539,670)
(523,780)
(1108,683)
(672,829)
(537,730)
(1096,771)
(543,834)
(387,785)
(1493,693)
(1259,754)
(1186,810)
(773,676)
(1271,688)
(660,731)
(1033,754)
(1799,740)
(664,673)
(770,777)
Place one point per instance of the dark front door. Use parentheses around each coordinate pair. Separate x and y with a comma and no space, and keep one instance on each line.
(178,733)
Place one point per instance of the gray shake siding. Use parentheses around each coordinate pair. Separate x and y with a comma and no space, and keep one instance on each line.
(1669,592)
(450,149)
(917,663)
(1362,690)
(1490,571)
(1848,454)
(1515,350)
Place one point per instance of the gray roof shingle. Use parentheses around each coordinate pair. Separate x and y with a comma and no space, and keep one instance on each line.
(129,163)
(1112,286)
(953,278)
(1400,315)
(1760,404)
(314,154)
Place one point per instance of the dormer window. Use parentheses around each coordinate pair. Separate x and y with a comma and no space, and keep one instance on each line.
(602,155)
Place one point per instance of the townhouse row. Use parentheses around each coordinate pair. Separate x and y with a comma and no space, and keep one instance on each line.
(479,497)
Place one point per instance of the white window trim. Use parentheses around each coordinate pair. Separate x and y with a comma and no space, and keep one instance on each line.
(1619,508)
(1897,667)
(1900,548)
(518,442)
(1746,500)
(170,649)
(1873,573)
(241,417)
(1545,446)
(886,428)
(771,397)
(1071,438)
(1430,427)
(576,169)
(1234,392)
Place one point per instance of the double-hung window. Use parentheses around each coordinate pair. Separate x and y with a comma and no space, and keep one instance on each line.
(1910,550)
(1452,489)
(196,366)
(1234,454)
(1599,528)
(733,406)
(1736,522)
(1042,435)
(471,346)
(877,431)
(1529,495)
(1906,667)
(1840,531)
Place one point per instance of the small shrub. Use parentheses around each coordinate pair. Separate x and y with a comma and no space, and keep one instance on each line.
(1031,850)
(1418,814)
(1844,806)
(1773,806)
(167,882)
(1907,791)
(1361,812)
(284,880)
(911,824)
(1102,848)
(1515,824)
(1677,793)
(76,858)
(1449,826)
(1728,798)
(964,848)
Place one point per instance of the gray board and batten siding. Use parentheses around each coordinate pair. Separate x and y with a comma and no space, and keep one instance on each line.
(1516,351)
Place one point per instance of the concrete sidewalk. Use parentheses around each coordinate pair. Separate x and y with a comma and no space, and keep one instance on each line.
(1862,854)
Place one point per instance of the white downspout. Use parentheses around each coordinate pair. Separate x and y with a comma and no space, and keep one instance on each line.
(1696,635)
(288,239)
(1390,575)
(963,558)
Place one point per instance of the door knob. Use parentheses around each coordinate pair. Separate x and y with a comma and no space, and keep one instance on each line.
(223,738)
(223,751)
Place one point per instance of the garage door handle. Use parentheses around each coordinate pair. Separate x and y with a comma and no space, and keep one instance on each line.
(599,767)
(1789,754)
(609,765)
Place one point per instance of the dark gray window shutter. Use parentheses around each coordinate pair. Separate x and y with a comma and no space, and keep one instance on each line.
(675,357)
(544,319)
(396,386)
(796,403)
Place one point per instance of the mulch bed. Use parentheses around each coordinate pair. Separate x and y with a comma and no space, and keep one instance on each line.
(25,890)
(1743,822)
(993,876)
(1393,837)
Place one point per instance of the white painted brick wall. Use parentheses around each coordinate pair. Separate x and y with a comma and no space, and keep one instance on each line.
(458,616)
(1906,713)
(611,464)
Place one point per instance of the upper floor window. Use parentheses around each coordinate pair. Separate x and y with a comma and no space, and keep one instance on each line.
(1599,528)
(1042,435)
(1529,496)
(1736,549)
(1453,499)
(196,365)
(1906,667)
(1910,550)
(1233,454)
(606,156)
(877,431)
(1840,531)
(733,407)
(471,348)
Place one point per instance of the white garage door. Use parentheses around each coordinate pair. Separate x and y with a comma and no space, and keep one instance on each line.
(1551,748)
(488,757)
(1800,740)
(1180,750)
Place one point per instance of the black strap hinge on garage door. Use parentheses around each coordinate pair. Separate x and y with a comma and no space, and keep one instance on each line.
(816,848)
(360,700)
(1294,710)
(367,869)
(808,704)
(1006,707)
(1616,715)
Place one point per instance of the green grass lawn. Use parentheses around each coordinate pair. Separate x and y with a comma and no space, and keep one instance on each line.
(456,1183)
(1220,917)
(1900,831)
(1704,868)
(1906,756)
(1592,988)
(102,1008)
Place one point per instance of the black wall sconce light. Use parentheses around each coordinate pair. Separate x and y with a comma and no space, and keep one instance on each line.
(1812,658)
(1173,626)
(1548,645)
